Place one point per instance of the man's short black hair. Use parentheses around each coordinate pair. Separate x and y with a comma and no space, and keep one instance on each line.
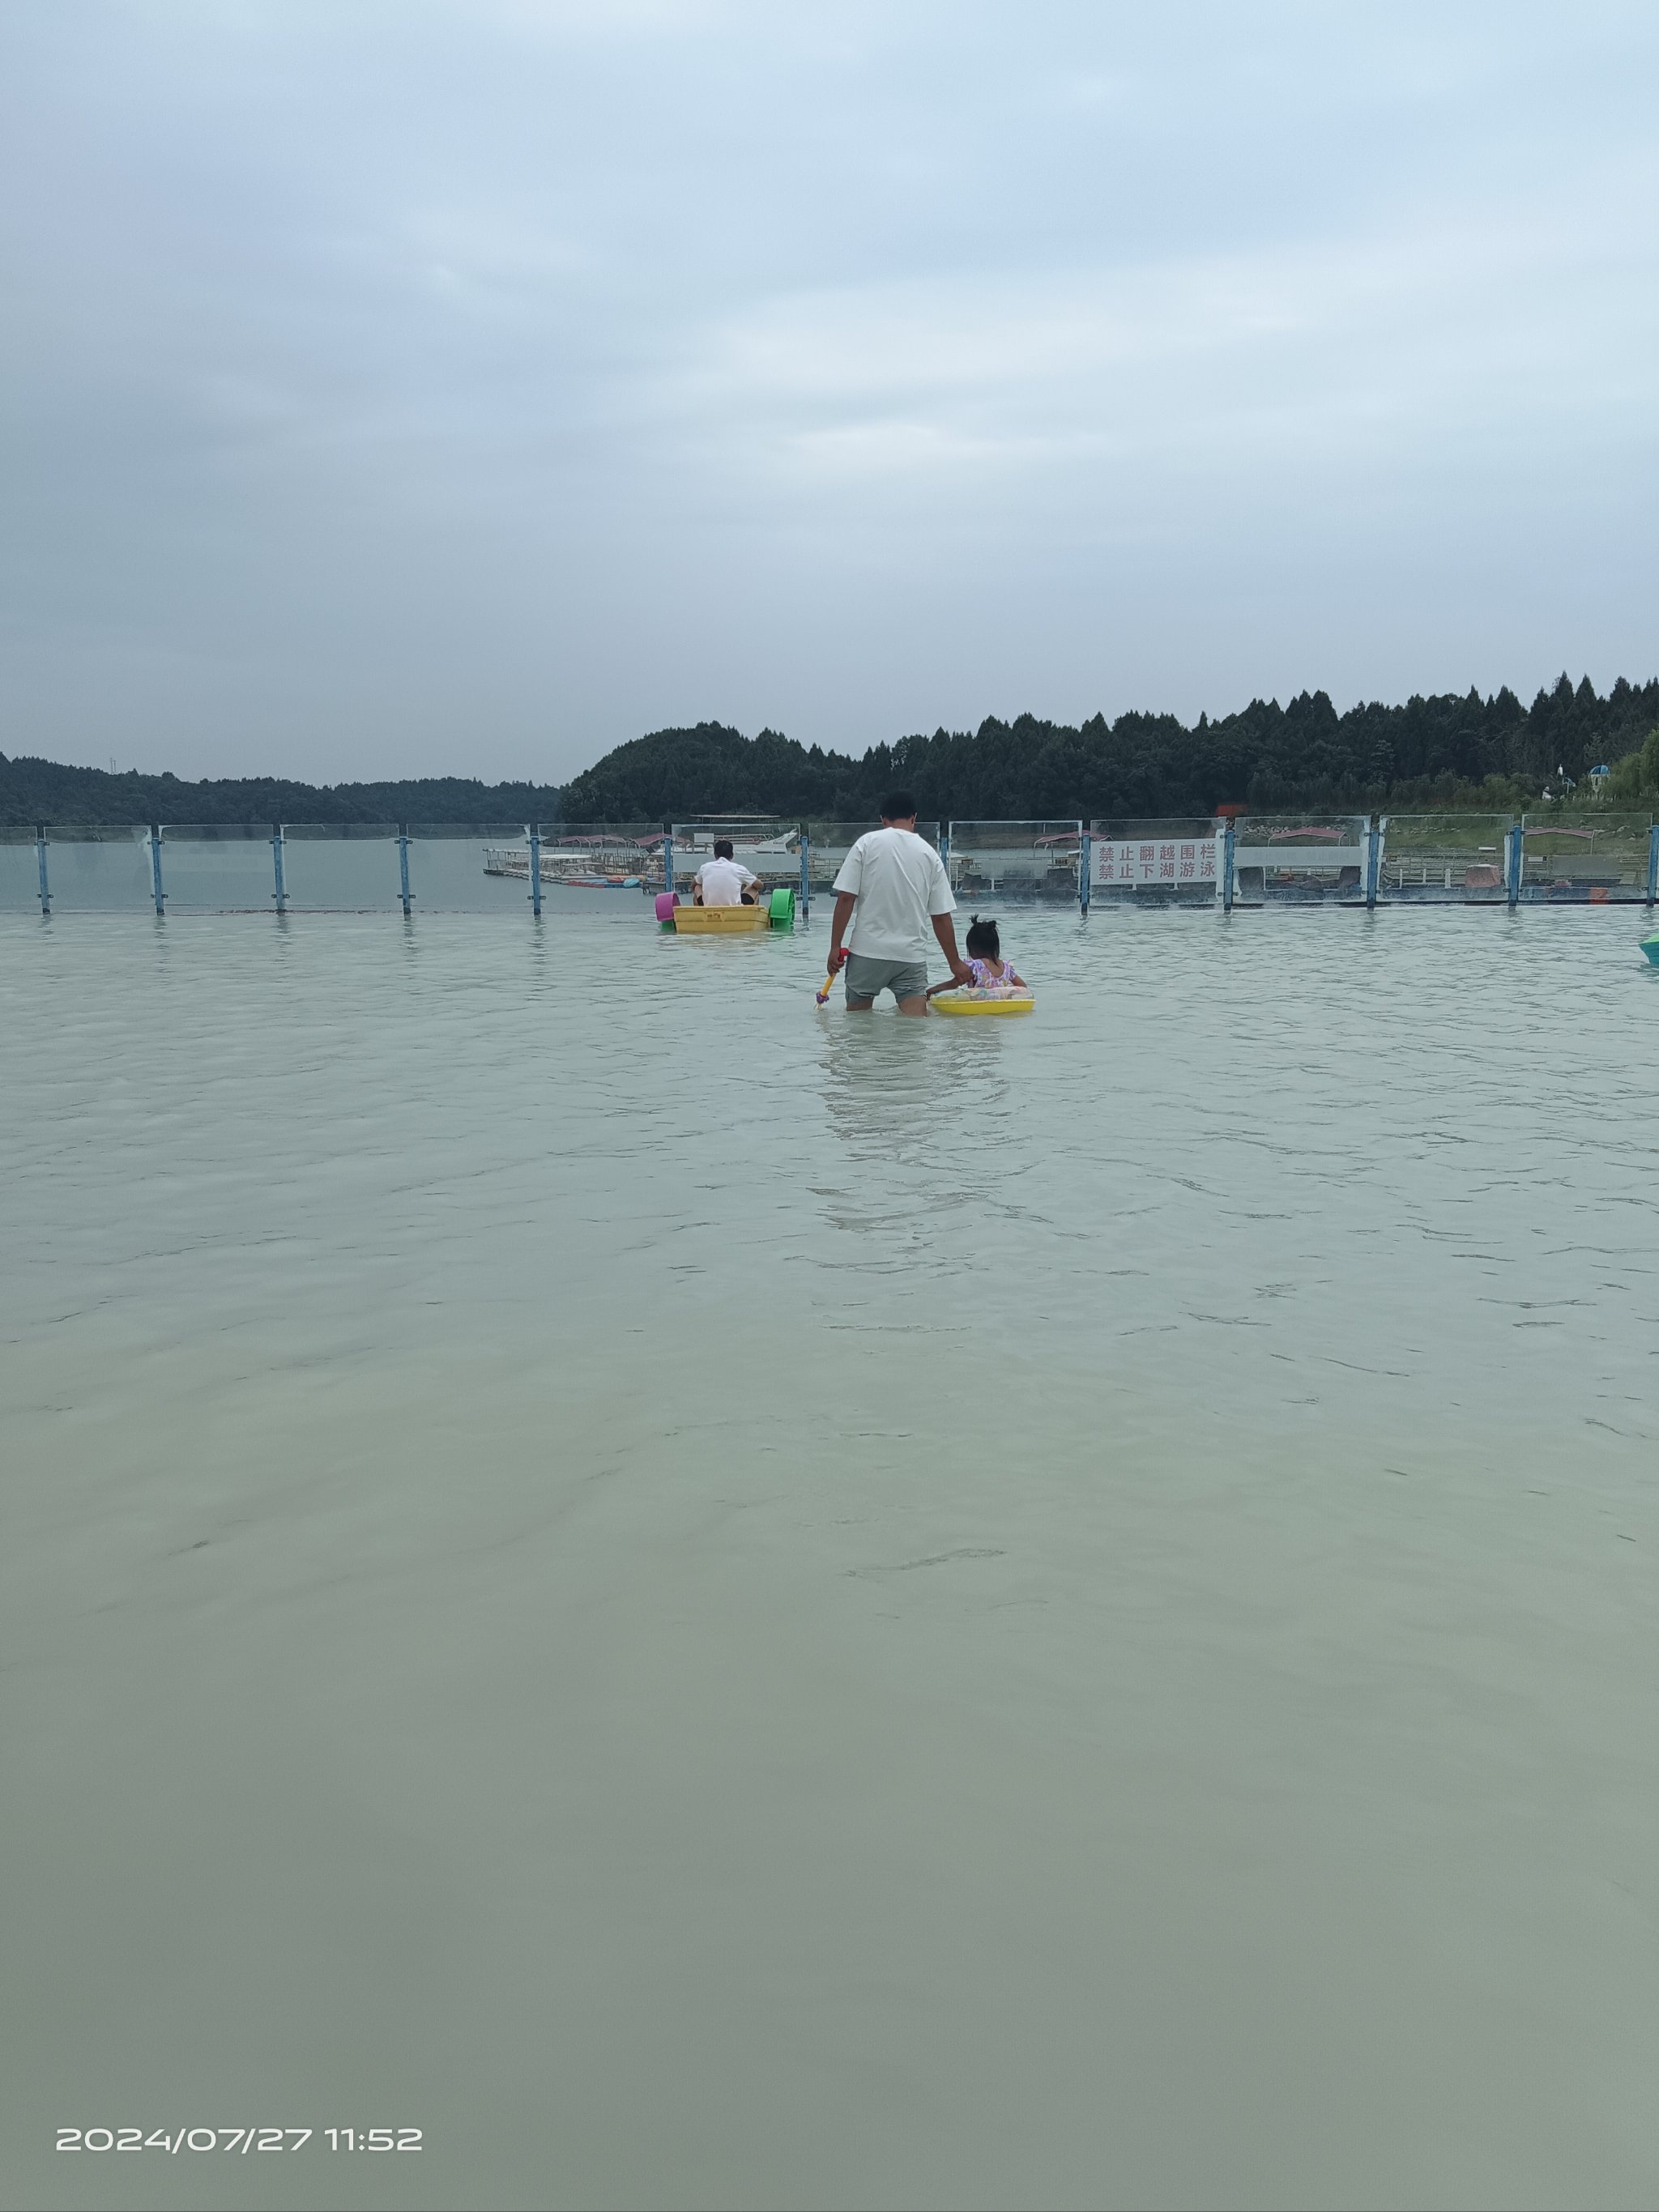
(722,848)
(898,807)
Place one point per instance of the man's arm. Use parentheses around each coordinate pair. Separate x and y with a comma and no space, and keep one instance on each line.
(845,902)
(946,930)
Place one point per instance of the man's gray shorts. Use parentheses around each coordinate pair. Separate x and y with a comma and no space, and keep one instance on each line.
(905,979)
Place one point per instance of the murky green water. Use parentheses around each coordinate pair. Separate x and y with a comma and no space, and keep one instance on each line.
(717,1605)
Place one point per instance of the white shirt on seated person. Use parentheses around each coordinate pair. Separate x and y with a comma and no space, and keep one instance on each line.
(723,882)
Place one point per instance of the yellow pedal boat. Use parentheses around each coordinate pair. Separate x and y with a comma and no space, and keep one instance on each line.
(776,910)
(718,920)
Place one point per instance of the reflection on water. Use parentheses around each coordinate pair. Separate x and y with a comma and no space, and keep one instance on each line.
(719,1604)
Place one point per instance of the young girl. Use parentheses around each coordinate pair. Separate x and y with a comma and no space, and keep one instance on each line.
(992,973)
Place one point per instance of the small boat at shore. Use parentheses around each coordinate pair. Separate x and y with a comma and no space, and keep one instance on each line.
(577,868)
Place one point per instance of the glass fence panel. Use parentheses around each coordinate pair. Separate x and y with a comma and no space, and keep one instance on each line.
(452,867)
(1443,859)
(19,876)
(481,867)
(1169,859)
(1596,854)
(1299,859)
(1016,859)
(220,868)
(604,867)
(484,867)
(340,867)
(94,867)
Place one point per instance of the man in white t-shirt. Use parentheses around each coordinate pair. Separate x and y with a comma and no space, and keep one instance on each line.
(893,890)
(722,881)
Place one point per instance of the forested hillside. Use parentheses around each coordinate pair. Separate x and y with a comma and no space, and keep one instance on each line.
(44,791)
(1449,751)
(1431,751)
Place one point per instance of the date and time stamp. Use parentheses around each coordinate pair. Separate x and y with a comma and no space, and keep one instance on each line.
(240,2141)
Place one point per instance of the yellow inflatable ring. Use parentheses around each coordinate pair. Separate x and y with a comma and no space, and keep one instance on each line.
(959,1002)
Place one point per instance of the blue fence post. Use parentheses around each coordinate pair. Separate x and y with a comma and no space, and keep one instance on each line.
(1085,865)
(806,873)
(1653,865)
(668,858)
(534,832)
(403,863)
(45,888)
(1515,837)
(277,841)
(155,868)
(1229,845)
(1373,861)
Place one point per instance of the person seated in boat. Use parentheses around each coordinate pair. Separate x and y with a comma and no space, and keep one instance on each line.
(723,881)
(992,972)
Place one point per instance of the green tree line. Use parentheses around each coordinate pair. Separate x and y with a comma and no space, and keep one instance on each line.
(1636,776)
(1434,753)
(47,791)
(1454,749)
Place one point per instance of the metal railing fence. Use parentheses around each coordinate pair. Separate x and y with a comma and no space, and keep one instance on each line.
(1237,859)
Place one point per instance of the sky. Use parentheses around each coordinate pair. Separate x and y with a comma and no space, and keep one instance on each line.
(467,386)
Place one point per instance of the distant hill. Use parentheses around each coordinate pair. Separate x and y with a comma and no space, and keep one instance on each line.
(1454,749)
(45,791)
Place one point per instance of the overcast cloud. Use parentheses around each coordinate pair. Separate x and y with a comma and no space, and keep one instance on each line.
(471,384)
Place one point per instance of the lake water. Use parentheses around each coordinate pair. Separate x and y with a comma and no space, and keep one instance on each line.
(716,1604)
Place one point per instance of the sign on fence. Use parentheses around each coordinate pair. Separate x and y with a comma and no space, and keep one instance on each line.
(1154,860)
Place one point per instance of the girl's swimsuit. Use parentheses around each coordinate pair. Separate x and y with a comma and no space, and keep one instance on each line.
(997,987)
